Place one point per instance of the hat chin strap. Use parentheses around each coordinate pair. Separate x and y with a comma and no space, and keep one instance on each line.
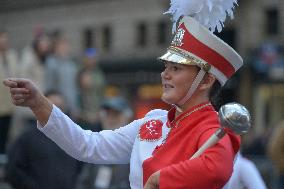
(191,90)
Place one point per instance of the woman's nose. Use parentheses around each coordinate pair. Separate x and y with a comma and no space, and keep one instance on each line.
(165,74)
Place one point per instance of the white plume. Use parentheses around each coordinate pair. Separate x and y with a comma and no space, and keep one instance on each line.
(210,13)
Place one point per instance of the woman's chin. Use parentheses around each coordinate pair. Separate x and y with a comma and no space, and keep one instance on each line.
(167,100)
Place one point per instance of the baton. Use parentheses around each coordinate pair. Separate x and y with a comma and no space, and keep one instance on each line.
(234,118)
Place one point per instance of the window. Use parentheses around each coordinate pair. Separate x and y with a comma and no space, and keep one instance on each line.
(106,38)
(272,20)
(142,35)
(88,38)
(162,34)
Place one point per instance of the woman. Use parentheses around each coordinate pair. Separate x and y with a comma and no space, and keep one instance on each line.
(158,146)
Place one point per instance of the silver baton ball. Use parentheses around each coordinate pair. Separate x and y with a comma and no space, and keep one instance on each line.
(234,118)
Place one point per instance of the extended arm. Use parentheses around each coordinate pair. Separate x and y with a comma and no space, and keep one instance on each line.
(104,147)
(95,147)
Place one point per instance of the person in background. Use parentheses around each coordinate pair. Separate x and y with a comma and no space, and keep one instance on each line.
(35,162)
(245,175)
(275,151)
(91,82)
(9,67)
(34,58)
(33,67)
(114,112)
(61,73)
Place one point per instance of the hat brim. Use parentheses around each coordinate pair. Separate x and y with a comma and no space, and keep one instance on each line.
(176,58)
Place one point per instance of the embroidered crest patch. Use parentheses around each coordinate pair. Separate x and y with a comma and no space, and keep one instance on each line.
(151,130)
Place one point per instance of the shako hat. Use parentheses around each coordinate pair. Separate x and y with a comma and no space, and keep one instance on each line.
(194,42)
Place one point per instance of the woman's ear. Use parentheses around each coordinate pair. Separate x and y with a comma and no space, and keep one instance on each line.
(207,81)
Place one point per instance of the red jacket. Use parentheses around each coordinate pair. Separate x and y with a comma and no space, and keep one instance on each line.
(211,170)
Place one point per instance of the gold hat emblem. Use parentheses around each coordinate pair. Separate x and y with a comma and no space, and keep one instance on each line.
(178,38)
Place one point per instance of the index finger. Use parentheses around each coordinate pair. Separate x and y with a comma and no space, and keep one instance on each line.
(15,82)
(10,83)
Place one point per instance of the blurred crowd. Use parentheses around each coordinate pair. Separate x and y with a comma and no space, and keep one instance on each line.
(48,62)
(77,87)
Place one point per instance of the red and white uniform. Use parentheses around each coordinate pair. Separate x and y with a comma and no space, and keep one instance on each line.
(142,144)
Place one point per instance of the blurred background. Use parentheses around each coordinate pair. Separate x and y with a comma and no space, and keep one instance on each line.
(91,50)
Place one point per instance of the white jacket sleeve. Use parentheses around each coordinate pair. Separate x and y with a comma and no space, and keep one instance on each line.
(250,176)
(245,175)
(105,147)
